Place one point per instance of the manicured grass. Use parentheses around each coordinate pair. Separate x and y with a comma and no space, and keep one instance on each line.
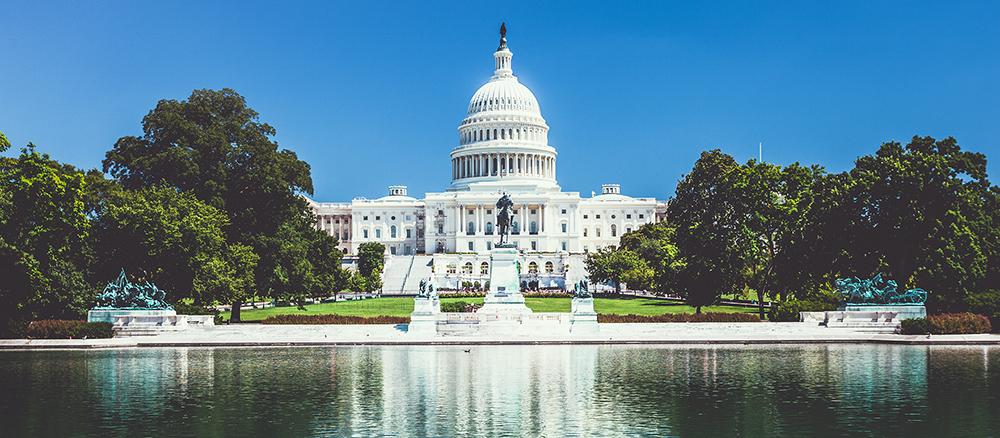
(646,306)
(394,306)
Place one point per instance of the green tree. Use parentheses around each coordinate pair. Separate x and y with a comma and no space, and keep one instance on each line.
(654,244)
(371,258)
(174,240)
(42,232)
(214,146)
(715,247)
(617,266)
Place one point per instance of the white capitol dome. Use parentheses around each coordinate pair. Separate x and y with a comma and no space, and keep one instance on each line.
(503,134)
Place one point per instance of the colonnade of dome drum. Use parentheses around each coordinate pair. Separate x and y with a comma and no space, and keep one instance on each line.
(502,163)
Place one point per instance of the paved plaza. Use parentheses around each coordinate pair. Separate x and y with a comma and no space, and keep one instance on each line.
(246,335)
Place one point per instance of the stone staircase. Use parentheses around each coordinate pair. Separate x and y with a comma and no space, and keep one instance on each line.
(402,274)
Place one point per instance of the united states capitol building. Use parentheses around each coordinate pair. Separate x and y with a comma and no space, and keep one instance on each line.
(502,147)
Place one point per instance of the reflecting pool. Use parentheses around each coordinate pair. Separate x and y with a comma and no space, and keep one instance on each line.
(549,390)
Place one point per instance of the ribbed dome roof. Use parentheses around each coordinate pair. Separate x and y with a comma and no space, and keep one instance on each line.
(504,94)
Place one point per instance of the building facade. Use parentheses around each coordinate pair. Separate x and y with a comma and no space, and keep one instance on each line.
(502,148)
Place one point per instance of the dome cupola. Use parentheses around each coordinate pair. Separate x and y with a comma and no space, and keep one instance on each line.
(503,134)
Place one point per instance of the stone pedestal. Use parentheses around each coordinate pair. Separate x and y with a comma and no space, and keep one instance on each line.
(865,316)
(583,318)
(505,288)
(424,317)
(108,315)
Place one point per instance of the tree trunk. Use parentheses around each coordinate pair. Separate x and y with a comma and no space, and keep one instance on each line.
(697,309)
(234,316)
(618,288)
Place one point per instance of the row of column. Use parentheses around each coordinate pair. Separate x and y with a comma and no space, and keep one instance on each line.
(328,223)
(480,218)
(476,165)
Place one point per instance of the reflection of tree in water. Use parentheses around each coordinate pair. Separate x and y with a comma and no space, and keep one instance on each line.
(765,390)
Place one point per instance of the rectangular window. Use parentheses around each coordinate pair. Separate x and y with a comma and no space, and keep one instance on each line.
(365,218)
(532,211)
(489,211)
(585,250)
(564,211)
(440,230)
(584,232)
(489,245)
(471,212)
(534,245)
(392,250)
(628,216)
(407,233)
(407,217)
(471,247)
(628,230)
(640,215)
(564,227)
(515,211)
(440,212)
(584,216)
(378,234)
(596,216)
(598,248)
(378,218)
(564,246)
(597,232)
(365,232)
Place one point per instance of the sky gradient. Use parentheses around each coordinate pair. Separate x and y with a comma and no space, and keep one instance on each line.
(371,94)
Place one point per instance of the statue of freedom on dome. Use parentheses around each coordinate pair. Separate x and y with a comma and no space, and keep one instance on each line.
(505,214)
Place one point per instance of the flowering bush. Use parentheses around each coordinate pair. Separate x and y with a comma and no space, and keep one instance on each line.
(946,324)
(62,329)
(335,319)
(679,317)
(548,295)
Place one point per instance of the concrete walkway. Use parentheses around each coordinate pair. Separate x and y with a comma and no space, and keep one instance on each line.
(244,335)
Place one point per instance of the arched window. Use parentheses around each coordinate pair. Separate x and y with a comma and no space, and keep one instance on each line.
(532,268)
(484,268)
(510,133)
(503,135)
(513,228)
(480,135)
(392,231)
(364,233)
(472,228)
(597,231)
(548,267)
(451,268)
(494,134)
(467,268)
(489,228)
(378,233)
(533,229)
(614,230)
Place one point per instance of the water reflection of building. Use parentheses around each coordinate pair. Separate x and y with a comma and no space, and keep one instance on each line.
(490,389)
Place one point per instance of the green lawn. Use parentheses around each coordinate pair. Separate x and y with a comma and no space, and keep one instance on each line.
(404,306)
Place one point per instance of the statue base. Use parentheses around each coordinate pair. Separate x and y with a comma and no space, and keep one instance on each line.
(878,316)
(583,318)
(108,315)
(424,316)
(505,288)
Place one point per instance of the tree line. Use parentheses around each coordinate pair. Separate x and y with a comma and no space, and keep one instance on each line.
(204,204)
(923,214)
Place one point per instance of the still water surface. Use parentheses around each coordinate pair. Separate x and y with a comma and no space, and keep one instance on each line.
(570,390)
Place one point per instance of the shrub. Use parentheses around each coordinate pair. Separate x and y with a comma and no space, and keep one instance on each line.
(61,329)
(462,295)
(788,311)
(679,317)
(913,326)
(335,319)
(548,295)
(946,324)
(95,330)
(453,307)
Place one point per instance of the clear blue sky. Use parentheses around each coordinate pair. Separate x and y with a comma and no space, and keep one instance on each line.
(371,93)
